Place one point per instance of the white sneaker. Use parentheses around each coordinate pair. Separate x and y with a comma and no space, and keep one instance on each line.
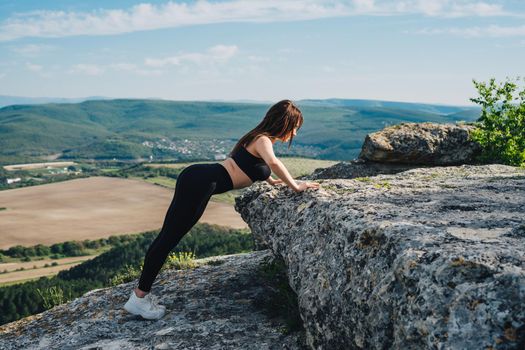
(146,307)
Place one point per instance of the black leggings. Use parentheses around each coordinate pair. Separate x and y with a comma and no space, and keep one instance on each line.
(195,185)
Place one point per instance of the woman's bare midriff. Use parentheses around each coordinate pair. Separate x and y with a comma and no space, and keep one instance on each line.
(239,178)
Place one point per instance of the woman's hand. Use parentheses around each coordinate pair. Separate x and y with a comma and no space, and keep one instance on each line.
(273,181)
(304,185)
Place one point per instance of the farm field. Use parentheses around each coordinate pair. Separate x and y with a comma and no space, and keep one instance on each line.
(30,273)
(100,206)
(91,208)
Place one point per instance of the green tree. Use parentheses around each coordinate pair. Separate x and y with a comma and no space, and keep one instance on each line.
(501,127)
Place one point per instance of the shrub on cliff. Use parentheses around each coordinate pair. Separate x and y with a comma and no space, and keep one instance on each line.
(501,126)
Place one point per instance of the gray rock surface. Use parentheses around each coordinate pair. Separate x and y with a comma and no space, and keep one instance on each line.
(357,168)
(428,258)
(421,143)
(210,307)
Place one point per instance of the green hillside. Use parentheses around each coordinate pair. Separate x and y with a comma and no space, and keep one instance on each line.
(133,129)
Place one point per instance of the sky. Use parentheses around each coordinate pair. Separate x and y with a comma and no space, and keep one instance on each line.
(425,51)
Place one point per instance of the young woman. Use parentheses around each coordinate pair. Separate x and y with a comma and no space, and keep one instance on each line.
(252,159)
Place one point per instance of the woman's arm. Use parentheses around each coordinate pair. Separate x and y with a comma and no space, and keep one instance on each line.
(265,149)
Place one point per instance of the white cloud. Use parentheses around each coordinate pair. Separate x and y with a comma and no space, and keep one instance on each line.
(450,8)
(218,53)
(34,67)
(133,68)
(258,59)
(222,52)
(494,31)
(87,69)
(149,72)
(288,50)
(479,9)
(328,69)
(31,50)
(39,70)
(364,5)
(147,16)
(98,69)
(161,62)
(122,66)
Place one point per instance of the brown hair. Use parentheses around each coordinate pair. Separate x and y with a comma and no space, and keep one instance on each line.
(279,121)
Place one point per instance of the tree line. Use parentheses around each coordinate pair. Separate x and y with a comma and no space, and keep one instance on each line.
(63,249)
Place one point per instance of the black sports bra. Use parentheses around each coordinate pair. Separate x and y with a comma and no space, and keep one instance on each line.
(255,167)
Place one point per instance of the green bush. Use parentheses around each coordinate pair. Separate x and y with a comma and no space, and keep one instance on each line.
(127,274)
(18,251)
(53,296)
(501,127)
(180,261)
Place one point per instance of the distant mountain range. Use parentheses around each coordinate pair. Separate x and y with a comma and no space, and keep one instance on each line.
(19,100)
(135,129)
(335,102)
(431,108)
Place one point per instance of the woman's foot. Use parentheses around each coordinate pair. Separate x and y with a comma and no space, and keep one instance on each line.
(147,307)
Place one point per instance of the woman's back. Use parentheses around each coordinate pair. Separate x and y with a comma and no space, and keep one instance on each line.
(255,167)
(245,166)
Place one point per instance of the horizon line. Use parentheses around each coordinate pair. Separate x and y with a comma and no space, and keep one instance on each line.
(242,100)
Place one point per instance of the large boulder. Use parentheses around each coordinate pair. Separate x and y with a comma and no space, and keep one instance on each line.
(429,258)
(421,143)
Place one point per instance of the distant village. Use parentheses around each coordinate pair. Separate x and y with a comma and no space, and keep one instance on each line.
(218,149)
(195,148)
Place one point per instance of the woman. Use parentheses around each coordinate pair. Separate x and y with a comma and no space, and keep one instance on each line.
(252,159)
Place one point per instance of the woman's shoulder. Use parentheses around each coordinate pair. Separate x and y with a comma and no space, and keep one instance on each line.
(259,143)
(261,137)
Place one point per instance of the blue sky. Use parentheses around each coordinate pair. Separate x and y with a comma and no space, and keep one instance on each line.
(409,50)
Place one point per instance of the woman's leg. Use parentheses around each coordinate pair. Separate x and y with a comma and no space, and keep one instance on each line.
(192,193)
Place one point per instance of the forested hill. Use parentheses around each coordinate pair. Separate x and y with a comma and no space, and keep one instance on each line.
(137,129)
